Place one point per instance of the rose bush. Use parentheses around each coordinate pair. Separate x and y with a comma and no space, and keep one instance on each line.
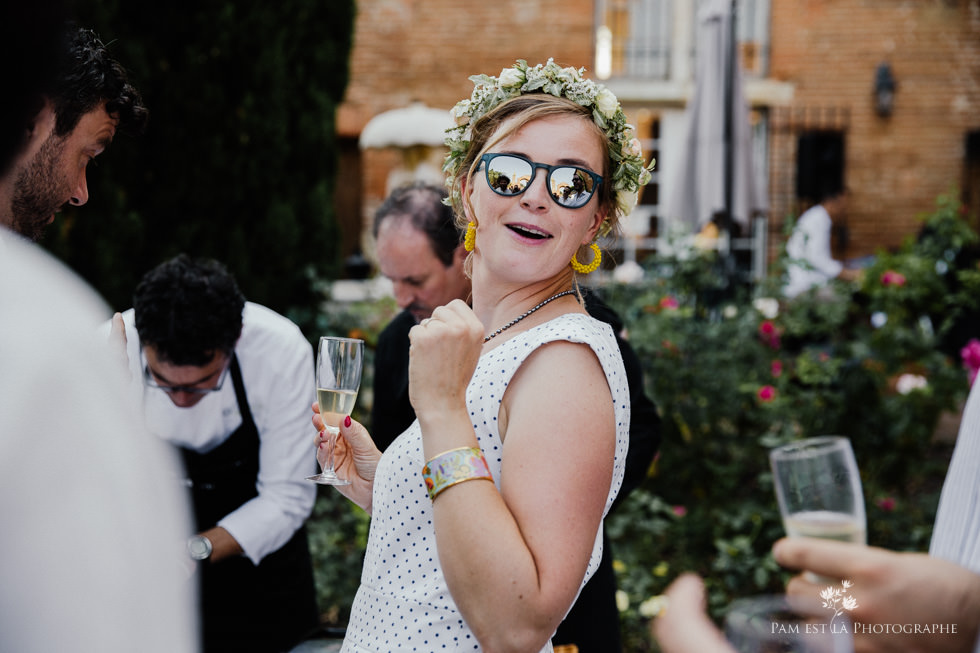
(735,372)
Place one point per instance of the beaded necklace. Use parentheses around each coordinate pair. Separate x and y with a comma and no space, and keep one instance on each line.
(521,317)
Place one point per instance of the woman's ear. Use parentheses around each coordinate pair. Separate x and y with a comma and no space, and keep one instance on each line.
(464,198)
(597,219)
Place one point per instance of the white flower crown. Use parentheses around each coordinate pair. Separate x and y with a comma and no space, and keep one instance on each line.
(629,172)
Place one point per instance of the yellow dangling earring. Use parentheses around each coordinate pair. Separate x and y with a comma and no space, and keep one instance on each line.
(582,268)
(469,240)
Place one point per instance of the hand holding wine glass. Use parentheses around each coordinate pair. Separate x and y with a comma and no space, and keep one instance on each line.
(818,487)
(339,363)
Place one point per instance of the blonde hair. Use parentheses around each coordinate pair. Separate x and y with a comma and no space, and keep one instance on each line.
(510,116)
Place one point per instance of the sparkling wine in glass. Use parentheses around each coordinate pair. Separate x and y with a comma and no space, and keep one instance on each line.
(818,487)
(338,378)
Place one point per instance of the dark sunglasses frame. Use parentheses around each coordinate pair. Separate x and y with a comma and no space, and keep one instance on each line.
(487,158)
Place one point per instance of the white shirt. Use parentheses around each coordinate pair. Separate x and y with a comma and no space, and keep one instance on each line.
(276,362)
(808,248)
(93,530)
(956,533)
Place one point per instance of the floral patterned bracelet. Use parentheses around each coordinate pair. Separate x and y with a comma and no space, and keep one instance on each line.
(452,467)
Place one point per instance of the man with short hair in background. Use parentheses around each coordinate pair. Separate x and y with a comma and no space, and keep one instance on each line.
(229,383)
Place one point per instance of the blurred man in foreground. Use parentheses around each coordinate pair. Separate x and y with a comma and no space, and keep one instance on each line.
(91,541)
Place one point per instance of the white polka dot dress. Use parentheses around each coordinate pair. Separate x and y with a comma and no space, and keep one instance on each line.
(403,603)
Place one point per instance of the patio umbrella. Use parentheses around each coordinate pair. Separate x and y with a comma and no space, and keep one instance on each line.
(416,124)
(418,132)
(714,174)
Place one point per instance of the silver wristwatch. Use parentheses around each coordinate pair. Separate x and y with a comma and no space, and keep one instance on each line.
(199,547)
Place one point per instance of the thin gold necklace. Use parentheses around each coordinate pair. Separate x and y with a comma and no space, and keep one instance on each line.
(518,319)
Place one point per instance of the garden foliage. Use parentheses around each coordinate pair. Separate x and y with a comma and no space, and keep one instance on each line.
(239,157)
(737,371)
(734,372)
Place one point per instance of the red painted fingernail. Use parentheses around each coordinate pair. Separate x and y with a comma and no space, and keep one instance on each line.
(321,444)
(323,433)
(347,421)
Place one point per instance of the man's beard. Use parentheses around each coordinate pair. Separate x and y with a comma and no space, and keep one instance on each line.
(38,191)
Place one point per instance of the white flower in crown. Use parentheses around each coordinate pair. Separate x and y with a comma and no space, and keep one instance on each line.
(626,200)
(511,77)
(460,112)
(632,147)
(607,103)
(629,172)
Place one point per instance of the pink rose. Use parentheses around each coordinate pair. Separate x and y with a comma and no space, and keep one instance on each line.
(680,511)
(769,334)
(971,358)
(669,302)
(886,503)
(777,368)
(892,278)
(767,393)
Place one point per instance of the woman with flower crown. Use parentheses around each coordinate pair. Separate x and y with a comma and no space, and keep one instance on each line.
(523,393)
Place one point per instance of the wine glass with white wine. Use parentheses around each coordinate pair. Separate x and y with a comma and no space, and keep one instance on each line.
(818,487)
(338,378)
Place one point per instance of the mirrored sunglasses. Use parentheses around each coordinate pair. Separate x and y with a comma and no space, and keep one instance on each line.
(569,186)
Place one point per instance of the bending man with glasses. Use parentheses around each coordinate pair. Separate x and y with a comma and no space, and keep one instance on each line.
(230,383)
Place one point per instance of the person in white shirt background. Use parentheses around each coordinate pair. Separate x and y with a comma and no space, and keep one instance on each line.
(811,263)
(229,383)
(92,530)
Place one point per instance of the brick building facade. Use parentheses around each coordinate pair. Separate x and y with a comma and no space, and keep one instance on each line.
(895,166)
(810,71)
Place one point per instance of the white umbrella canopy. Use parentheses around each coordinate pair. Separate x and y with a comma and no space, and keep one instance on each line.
(702,172)
(411,126)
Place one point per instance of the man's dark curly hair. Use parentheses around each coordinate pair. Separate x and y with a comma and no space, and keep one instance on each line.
(189,310)
(87,76)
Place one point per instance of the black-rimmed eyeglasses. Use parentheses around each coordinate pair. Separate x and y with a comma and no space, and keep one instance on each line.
(510,175)
(150,381)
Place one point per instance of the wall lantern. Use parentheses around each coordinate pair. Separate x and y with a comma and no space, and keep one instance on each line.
(884,90)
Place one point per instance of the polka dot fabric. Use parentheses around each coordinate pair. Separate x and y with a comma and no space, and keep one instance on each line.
(403,603)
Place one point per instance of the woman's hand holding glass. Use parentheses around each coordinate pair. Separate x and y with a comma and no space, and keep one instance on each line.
(355,457)
(339,362)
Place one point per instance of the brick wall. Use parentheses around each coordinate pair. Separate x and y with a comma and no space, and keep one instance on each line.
(426,50)
(895,167)
(828,50)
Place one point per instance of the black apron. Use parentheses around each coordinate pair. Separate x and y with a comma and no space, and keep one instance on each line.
(243,607)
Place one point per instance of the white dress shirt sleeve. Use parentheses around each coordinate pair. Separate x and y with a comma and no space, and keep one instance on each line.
(956,535)
(277,370)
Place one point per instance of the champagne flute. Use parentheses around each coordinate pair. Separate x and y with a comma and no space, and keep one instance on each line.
(338,378)
(783,624)
(818,487)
